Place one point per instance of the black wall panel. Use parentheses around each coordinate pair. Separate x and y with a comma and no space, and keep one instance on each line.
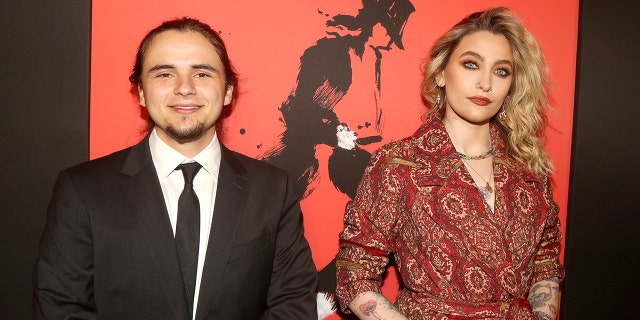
(44,99)
(603,237)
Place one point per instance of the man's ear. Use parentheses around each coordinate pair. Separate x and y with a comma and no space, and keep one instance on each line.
(228,95)
(141,96)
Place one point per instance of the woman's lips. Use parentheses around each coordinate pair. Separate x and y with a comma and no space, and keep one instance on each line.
(481,101)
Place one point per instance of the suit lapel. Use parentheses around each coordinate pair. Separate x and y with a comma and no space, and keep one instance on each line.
(231,197)
(145,196)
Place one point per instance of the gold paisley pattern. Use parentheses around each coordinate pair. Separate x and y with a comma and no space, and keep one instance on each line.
(476,280)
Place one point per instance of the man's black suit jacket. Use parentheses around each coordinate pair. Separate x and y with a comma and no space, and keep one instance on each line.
(108,250)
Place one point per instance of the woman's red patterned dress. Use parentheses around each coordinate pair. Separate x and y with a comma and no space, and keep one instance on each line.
(457,258)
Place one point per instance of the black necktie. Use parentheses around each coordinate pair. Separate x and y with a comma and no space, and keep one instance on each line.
(188,230)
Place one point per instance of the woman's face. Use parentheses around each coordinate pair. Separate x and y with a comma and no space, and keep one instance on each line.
(477,77)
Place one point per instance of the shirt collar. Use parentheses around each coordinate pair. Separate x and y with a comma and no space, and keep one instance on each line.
(166,159)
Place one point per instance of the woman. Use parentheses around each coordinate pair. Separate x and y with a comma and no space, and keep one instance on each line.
(464,205)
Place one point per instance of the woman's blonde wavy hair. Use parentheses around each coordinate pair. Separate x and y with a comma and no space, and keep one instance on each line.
(525,120)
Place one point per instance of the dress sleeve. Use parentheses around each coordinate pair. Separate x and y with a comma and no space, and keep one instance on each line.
(547,260)
(368,226)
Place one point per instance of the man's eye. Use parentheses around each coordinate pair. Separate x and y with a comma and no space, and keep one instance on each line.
(202,75)
(163,75)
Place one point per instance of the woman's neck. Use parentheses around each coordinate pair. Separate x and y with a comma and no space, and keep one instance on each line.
(468,138)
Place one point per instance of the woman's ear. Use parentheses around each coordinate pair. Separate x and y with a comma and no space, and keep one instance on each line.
(440,79)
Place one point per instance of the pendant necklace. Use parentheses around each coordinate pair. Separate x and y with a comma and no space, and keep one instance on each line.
(487,190)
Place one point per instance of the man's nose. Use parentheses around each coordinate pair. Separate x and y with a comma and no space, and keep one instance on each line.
(185,86)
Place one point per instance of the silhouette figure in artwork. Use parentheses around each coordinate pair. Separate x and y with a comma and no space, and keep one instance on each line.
(317,112)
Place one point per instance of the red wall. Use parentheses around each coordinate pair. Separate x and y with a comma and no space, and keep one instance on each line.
(265,40)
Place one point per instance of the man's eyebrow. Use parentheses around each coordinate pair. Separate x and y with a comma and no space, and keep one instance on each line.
(161,67)
(204,66)
(481,58)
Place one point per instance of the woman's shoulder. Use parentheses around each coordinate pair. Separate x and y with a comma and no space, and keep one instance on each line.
(430,139)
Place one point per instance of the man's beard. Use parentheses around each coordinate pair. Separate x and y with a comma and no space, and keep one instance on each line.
(186,135)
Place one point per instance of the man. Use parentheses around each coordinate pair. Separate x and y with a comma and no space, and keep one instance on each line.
(127,238)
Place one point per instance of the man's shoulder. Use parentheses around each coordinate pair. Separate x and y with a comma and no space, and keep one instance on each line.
(108,163)
(100,176)
(253,165)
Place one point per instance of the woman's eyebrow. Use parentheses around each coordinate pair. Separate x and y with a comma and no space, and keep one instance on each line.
(481,58)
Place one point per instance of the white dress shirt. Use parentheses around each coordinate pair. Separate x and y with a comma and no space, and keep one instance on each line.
(166,160)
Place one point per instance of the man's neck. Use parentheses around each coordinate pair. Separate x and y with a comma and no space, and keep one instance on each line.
(191,148)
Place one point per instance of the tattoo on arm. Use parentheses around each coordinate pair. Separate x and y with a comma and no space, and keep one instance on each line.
(373,305)
(369,309)
(385,303)
(543,316)
(543,298)
(542,293)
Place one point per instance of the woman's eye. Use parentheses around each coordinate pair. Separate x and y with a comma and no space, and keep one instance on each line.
(470,65)
(502,72)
